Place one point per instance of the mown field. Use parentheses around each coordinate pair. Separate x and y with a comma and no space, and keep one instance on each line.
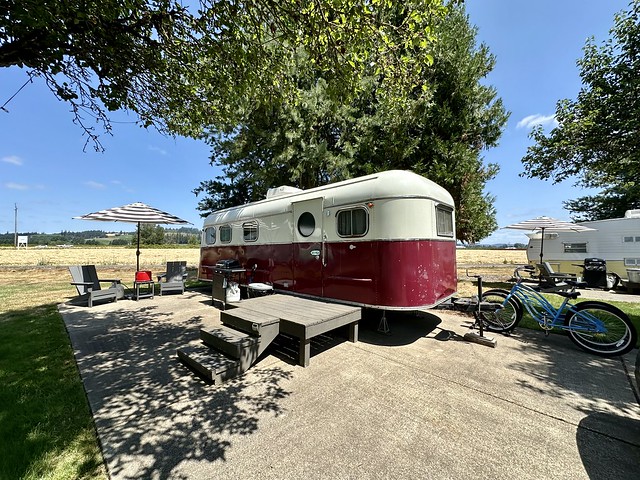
(45,270)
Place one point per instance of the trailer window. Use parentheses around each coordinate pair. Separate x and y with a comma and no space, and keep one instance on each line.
(631,239)
(575,248)
(444,221)
(225,234)
(632,262)
(210,235)
(250,231)
(306,224)
(353,222)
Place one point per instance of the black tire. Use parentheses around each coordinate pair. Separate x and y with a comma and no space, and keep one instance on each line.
(504,319)
(620,335)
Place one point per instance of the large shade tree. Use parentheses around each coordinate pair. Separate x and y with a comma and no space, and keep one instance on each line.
(437,128)
(598,134)
(210,62)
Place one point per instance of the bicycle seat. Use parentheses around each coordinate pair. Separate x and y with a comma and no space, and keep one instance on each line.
(571,295)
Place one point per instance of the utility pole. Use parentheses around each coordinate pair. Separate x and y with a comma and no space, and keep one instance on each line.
(15,230)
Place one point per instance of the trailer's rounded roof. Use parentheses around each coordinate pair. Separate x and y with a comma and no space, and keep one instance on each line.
(388,184)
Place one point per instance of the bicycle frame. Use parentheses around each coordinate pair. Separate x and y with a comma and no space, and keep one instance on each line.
(547,316)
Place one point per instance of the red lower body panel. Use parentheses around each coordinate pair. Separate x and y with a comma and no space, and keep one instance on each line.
(383,274)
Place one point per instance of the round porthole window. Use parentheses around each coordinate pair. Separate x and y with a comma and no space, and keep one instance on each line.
(306,224)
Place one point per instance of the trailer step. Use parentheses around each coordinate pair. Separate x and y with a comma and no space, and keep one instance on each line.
(234,343)
(212,365)
(248,321)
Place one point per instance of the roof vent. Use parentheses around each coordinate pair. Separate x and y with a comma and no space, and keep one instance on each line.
(282,191)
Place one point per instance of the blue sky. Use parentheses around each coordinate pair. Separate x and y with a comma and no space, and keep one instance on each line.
(44,170)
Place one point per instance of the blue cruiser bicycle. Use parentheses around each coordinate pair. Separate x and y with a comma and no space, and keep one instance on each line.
(597,327)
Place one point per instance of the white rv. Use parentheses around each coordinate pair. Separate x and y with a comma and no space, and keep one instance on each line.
(616,240)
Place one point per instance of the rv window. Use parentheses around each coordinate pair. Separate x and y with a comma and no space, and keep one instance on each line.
(210,235)
(353,222)
(250,231)
(444,221)
(628,239)
(306,224)
(631,262)
(225,234)
(575,248)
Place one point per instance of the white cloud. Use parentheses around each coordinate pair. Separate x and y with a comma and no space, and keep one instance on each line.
(12,159)
(157,150)
(537,119)
(16,186)
(95,185)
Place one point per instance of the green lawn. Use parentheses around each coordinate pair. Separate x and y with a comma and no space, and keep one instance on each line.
(46,429)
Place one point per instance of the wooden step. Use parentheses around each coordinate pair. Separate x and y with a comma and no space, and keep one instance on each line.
(249,321)
(230,341)
(214,366)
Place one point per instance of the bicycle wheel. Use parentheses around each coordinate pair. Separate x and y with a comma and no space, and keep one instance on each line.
(601,329)
(503,319)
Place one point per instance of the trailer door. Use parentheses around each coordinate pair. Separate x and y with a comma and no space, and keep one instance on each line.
(308,248)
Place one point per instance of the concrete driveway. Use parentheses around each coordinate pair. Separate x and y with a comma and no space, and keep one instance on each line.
(399,406)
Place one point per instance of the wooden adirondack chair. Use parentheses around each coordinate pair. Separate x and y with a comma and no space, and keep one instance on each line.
(173,279)
(85,279)
(552,281)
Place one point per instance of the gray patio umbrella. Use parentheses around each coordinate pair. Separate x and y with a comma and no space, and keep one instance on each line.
(134,213)
(547,223)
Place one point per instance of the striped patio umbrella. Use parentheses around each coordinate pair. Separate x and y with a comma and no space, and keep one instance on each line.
(547,223)
(134,213)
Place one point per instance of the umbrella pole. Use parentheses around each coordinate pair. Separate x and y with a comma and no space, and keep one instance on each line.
(542,245)
(138,251)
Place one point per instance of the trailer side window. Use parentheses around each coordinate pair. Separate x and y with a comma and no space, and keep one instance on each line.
(353,222)
(225,234)
(632,262)
(444,221)
(250,231)
(210,235)
(575,248)
(306,224)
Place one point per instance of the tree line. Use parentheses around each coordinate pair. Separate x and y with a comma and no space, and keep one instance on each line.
(149,235)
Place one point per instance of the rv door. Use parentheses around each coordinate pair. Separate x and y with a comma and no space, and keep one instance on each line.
(308,251)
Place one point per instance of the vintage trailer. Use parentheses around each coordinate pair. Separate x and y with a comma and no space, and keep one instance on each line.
(385,241)
(616,240)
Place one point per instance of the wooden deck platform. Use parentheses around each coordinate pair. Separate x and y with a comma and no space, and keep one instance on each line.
(305,318)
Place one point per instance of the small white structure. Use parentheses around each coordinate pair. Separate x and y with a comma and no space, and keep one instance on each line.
(616,240)
(23,242)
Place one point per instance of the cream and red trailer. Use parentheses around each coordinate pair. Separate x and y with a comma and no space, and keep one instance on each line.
(385,240)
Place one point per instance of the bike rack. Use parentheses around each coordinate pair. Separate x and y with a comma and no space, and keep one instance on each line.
(479,337)
(475,305)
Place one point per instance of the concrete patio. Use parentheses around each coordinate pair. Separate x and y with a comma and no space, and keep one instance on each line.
(406,405)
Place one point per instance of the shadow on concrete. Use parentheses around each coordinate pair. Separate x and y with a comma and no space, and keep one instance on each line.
(556,362)
(609,455)
(286,347)
(404,327)
(152,414)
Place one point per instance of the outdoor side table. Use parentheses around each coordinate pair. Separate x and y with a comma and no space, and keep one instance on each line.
(144,289)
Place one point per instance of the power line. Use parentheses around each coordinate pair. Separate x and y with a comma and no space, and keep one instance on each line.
(30,80)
